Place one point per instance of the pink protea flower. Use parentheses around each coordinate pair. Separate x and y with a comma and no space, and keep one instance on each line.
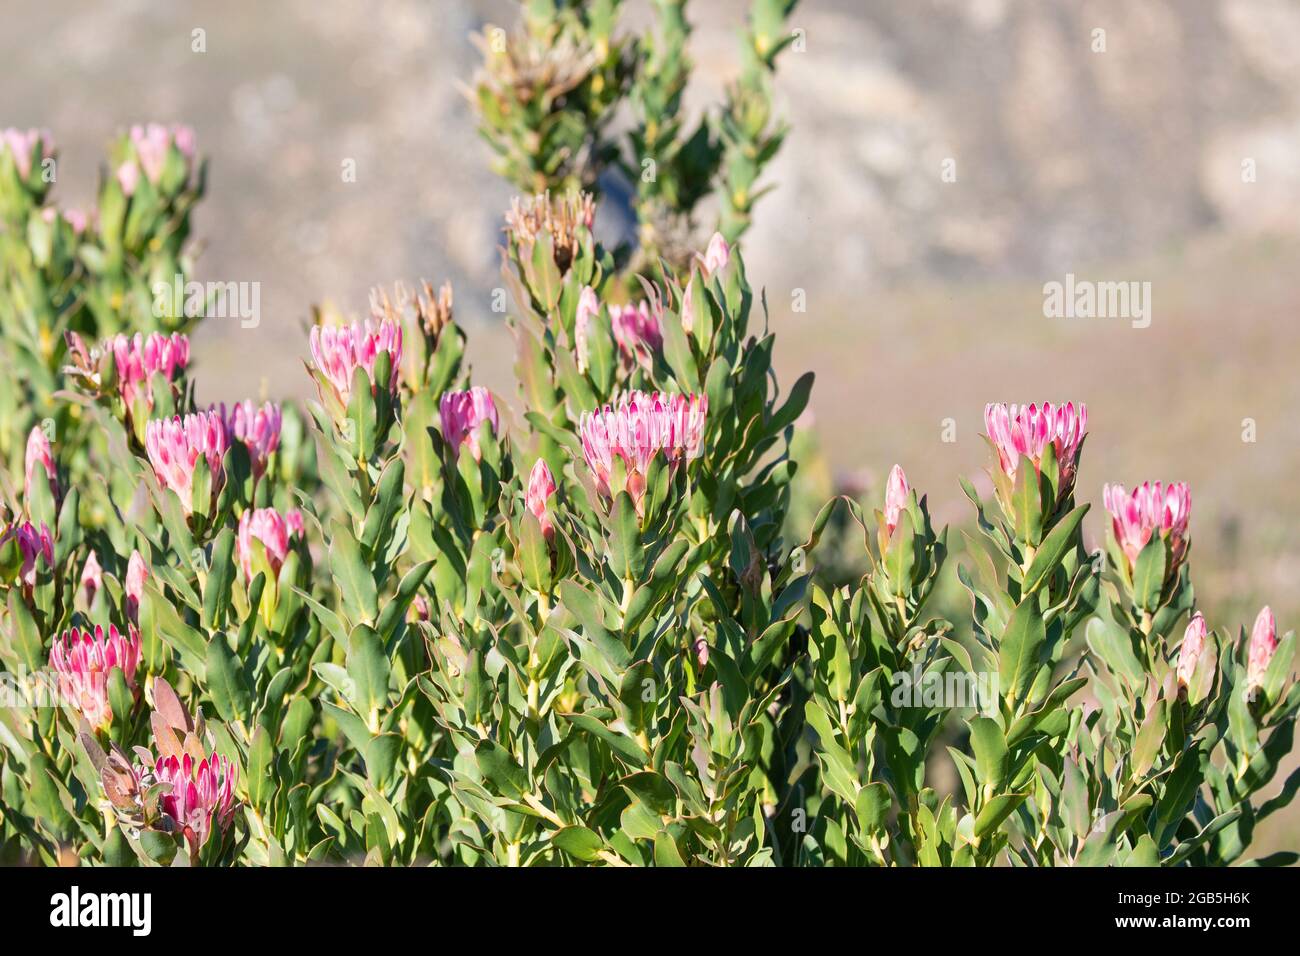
(1017,430)
(75,218)
(639,427)
(201,794)
(92,579)
(1193,646)
(1263,645)
(896,494)
(39,456)
(258,429)
(128,177)
(541,485)
(151,143)
(137,572)
(461,414)
(588,309)
(32,542)
(636,330)
(137,359)
(83,661)
(175,445)
(22,145)
(338,350)
(276,532)
(717,255)
(1152,508)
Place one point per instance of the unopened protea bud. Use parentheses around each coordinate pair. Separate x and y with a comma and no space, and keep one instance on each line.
(137,359)
(1152,508)
(1263,645)
(39,464)
(32,543)
(636,429)
(717,255)
(83,661)
(150,145)
(257,428)
(461,414)
(1027,430)
(896,495)
(175,446)
(337,351)
(637,332)
(26,147)
(276,533)
(92,579)
(1193,646)
(200,794)
(541,486)
(137,572)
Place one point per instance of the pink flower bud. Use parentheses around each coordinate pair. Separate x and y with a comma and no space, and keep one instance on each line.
(588,309)
(92,579)
(1263,645)
(137,359)
(199,794)
(83,662)
(137,572)
(1017,430)
(152,142)
(701,648)
(717,255)
(461,414)
(24,146)
(39,457)
(276,533)
(31,544)
(257,428)
(896,495)
(1192,648)
(636,429)
(541,485)
(128,177)
(1152,508)
(688,308)
(175,445)
(637,331)
(337,351)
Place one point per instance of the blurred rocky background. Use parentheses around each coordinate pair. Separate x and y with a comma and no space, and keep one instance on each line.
(1154,141)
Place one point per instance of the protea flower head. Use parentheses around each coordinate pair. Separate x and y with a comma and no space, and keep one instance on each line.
(1017,430)
(151,144)
(32,542)
(337,351)
(588,309)
(541,486)
(137,359)
(83,660)
(566,219)
(25,146)
(92,579)
(1193,646)
(276,532)
(640,426)
(39,458)
(637,331)
(1263,645)
(1152,508)
(199,794)
(137,572)
(717,255)
(896,495)
(258,428)
(175,446)
(461,414)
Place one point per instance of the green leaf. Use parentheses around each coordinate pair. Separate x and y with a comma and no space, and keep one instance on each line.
(368,666)
(579,842)
(1053,548)
(1149,574)
(990,748)
(1019,649)
(354,577)
(226,683)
